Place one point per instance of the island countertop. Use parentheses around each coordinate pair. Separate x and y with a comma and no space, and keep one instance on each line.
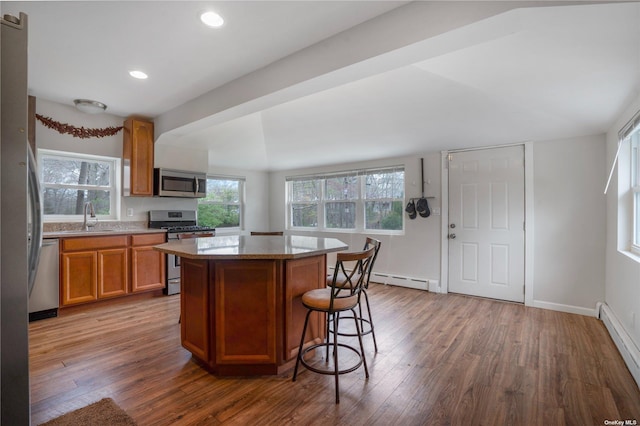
(251,247)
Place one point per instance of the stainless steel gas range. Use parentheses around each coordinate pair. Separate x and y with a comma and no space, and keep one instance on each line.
(178,223)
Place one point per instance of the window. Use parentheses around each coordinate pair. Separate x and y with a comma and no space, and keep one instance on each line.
(341,196)
(70,180)
(627,160)
(222,207)
(384,198)
(357,201)
(304,196)
(635,187)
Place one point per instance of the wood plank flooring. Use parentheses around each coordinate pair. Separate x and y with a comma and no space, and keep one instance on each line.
(442,360)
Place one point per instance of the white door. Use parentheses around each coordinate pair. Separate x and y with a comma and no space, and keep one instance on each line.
(486,223)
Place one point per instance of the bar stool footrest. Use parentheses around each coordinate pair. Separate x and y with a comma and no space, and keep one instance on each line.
(331,372)
(363,331)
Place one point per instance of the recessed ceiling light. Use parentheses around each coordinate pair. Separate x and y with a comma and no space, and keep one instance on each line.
(138,74)
(212,19)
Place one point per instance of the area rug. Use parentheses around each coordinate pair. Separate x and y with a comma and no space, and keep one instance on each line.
(101,413)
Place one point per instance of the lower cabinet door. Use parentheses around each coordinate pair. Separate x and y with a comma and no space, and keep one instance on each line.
(79,277)
(113,273)
(147,269)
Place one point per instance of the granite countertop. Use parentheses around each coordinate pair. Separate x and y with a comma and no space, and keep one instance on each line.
(101,232)
(251,247)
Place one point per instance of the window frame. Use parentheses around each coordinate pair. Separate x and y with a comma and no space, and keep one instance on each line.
(114,188)
(360,202)
(241,202)
(634,139)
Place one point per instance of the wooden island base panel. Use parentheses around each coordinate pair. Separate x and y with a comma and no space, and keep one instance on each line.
(240,301)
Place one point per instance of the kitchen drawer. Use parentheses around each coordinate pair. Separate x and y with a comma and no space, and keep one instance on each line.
(94,243)
(148,239)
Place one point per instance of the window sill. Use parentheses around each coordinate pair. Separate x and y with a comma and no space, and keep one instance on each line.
(631,255)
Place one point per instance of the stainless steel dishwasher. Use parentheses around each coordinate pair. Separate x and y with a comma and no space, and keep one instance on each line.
(45,295)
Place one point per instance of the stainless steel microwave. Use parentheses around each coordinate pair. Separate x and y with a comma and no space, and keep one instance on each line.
(179,183)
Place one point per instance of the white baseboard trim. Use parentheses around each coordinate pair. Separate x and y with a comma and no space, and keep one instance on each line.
(565,308)
(627,348)
(400,281)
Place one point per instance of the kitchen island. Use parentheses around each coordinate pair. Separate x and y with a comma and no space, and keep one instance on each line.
(240,303)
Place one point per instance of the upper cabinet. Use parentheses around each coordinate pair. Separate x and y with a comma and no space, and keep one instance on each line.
(137,157)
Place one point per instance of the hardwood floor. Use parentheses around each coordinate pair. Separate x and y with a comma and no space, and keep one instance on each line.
(443,359)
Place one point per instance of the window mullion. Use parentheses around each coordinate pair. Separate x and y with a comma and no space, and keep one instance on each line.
(360,209)
(321,206)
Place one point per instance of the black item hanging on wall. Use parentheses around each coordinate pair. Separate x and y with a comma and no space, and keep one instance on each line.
(422,206)
(411,209)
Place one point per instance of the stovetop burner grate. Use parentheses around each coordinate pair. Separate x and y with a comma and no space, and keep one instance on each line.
(187,228)
(176,221)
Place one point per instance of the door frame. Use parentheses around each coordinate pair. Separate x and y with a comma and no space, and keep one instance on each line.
(528,218)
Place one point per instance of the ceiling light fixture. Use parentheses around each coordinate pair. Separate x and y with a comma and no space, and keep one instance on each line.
(89,106)
(138,74)
(212,19)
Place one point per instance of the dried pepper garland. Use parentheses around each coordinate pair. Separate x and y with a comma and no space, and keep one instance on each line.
(77,132)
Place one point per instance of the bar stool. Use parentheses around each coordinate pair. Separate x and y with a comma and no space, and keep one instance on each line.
(340,297)
(366,324)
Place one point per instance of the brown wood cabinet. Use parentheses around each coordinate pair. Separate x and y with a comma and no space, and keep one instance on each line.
(245,317)
(96,268)
(113,272)
(79,277)
(137,156)
(92,268)
(147,264)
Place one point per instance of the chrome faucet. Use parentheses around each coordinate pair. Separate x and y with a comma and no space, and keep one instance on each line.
(92,214)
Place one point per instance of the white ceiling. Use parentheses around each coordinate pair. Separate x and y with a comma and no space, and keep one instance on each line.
(529,74)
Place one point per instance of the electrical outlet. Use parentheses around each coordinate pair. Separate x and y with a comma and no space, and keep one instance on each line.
(129,212)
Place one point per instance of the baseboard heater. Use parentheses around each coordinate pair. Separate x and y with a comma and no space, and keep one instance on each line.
(628,349)
(397,280)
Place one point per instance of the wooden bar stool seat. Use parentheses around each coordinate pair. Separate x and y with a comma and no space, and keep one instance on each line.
(331,301)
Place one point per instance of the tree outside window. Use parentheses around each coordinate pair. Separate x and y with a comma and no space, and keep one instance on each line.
(384,196)
(353,201)
(341,194)
(70,180)
(222,207)
(304,196)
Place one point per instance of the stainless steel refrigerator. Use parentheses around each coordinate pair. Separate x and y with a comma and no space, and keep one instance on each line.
(20,223)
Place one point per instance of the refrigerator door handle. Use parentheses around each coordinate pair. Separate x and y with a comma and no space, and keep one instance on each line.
(35,232)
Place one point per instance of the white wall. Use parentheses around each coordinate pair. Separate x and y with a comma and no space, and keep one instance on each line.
(415,254)
(108,146)
(257,197)
(570,217)
(622,271)
(569,272)
(569,214)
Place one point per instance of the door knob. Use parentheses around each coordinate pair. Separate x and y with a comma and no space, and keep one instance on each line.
(452,236)
(452,226)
